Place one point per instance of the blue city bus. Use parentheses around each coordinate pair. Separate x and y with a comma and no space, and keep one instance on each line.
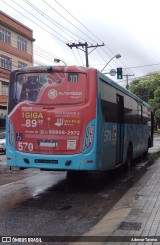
(74,119)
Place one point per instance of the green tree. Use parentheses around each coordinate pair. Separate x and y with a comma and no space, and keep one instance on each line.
(148,89)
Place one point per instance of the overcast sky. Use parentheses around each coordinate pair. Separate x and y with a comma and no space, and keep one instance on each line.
(126,27)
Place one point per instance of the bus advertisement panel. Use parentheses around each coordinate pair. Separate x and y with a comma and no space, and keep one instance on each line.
(50,118)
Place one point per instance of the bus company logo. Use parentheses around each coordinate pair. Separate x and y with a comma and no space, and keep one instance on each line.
(26,108)
(52,94)
(71,93)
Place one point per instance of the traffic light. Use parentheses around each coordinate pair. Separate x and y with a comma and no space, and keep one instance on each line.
(119,73)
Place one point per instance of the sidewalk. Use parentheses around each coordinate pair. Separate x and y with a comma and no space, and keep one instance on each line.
(135,216)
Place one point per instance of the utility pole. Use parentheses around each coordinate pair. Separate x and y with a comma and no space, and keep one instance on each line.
(86,47)
(127,84)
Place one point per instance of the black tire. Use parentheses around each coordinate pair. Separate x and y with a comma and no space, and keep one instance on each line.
(76,176)
(129,157)
(146,152)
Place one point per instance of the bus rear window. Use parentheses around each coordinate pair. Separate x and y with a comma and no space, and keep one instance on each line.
(50,88)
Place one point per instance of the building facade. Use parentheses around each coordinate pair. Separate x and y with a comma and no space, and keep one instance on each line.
(16,51)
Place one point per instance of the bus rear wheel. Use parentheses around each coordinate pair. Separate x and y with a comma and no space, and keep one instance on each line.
(129,157)
(76,176)
(146,152)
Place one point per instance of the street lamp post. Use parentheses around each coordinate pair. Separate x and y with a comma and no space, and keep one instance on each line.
(117,56)
(58,61)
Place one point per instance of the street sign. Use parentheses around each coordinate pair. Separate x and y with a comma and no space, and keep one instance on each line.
(112,72)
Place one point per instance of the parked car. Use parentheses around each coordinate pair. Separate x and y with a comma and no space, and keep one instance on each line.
(3,142)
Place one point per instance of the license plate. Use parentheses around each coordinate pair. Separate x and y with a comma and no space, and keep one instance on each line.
(52,144)
(46,161)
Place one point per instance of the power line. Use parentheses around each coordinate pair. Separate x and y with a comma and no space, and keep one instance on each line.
(47,58)
(39,52)
(86,29)
(75,57)
(82,25)
(68,21)
(142,66)
(39,62)
(89,31)
(34,22)
(79,21)
(50,55)
(61,25)
(38,19)
(103,58)
(36,50)
(51,20)
(80,57)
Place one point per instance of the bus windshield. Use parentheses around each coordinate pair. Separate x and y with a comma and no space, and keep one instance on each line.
(49,87)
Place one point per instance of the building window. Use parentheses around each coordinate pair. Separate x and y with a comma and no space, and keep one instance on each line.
(5,62)
(21,64)
(5,36)
(5,88)
(22,44)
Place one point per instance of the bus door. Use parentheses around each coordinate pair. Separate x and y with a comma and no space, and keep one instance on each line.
(120,129)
